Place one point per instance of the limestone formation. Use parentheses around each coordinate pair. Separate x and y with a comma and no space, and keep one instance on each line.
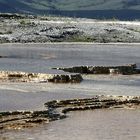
(15,76)
(97,102)
(124,69)
(57,110)
(26,119)
(39,77)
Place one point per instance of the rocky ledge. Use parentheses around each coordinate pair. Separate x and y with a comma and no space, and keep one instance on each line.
(15,76)
(39,77)
(26,119)
(57,110)
(124,69)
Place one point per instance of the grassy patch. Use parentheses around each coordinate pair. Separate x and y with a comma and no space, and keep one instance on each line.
(6,32)
(26,22)
(81,38)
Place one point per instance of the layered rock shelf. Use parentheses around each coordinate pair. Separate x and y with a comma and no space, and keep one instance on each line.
(97,102)
(57,110)
(39,77)
(26,119)
(15,76)
(124,69)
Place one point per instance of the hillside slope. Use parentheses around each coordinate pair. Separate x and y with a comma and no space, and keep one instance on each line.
(41,29)
(55,6)
(69,4)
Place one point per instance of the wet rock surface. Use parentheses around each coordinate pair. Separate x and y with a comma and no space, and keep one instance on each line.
(14,76)
(97,102)
(38,77)
(57,109)
(124,69)
(26,119)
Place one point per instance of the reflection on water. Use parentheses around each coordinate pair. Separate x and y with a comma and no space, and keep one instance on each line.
(88,125)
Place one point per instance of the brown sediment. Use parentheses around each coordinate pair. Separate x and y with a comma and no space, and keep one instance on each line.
(57,109)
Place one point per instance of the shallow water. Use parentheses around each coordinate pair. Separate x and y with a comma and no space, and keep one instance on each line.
(41,57)
(32,96)
(98,125)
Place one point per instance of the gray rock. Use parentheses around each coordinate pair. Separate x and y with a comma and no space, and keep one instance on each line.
(32,29)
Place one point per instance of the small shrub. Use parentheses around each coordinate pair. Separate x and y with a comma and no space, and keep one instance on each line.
(6,32)
(79,38)
(27,22)
(22,22)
